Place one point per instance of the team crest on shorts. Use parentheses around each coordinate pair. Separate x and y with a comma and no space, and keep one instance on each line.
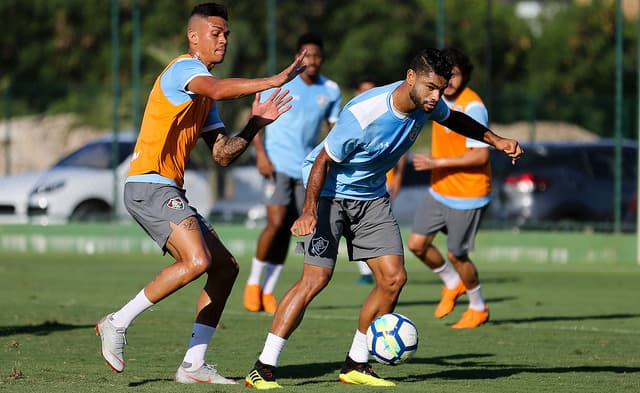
(319,246)
(176,203)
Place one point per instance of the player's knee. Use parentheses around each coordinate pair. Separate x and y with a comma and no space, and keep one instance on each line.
(456,259)
(198,264)
(393,282)
(417,247)
(231,268)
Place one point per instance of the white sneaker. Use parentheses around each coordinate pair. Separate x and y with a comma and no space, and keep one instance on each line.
(205,374)
(113,342)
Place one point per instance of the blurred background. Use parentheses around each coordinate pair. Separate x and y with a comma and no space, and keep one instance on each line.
(560,76)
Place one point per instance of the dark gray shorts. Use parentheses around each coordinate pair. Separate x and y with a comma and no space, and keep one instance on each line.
(369,228)
(284,190)
(460,226)
(154,205)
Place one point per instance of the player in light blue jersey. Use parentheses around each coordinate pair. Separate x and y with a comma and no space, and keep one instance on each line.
(346,196)
(316,100)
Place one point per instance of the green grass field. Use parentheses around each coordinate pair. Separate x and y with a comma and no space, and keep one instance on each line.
(554,328)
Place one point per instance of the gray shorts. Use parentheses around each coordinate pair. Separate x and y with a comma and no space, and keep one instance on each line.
(284,190)
(460,226)
(154,205)
(369,228)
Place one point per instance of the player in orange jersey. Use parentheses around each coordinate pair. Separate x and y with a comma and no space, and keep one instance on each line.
(460,192)
(182,108)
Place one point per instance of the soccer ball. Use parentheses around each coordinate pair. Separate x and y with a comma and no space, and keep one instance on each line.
(392,339)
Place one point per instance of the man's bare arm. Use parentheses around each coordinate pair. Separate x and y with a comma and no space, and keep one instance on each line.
(232,88)
(306,223)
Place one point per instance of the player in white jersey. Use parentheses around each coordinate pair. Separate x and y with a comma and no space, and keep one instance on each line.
(316,100)
(346,196)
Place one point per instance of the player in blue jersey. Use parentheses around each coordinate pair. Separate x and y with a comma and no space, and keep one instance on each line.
(316,100)
(346,196)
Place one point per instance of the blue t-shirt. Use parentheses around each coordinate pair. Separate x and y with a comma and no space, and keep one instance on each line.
(368,140)
(292,136)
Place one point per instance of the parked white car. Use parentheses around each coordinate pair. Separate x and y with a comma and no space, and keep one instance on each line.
(80,187)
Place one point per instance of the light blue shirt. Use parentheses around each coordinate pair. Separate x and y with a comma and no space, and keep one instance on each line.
(294,134)
(174,81)
(368,140)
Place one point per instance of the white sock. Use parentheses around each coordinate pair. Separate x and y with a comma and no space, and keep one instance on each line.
(200,338)
(363,268)
(272,348)
(448,275)
(271,276)
(476,301)
(256,271)
(129,312)
(359,352)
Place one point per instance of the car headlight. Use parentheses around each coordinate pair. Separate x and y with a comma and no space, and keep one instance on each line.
(48,187)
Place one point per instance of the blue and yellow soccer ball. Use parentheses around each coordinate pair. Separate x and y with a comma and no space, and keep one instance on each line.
(392,339)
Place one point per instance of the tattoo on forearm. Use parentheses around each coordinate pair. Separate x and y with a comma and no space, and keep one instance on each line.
(227,149)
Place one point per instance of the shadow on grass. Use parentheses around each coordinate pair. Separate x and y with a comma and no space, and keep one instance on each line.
(403,303)
(494,372)
(436,282)
(147,381)
(563,318)
(42,329)
(464,367)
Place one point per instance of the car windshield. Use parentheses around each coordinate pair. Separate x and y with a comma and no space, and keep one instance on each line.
(95,155)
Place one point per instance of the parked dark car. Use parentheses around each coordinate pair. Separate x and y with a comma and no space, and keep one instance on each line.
(561,183)
(554,185)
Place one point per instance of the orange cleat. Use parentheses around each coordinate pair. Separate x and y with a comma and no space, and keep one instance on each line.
(252,295)
(472,318)
(269,303)
(448,299)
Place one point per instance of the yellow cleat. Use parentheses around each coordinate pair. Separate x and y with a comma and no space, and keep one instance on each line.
(448,300)
(252,297)
(361,374)
(472,318)
(262,377)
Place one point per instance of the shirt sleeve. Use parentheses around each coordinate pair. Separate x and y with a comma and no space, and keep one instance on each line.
(213,121)
(477,112)
(344,138)
(175,79)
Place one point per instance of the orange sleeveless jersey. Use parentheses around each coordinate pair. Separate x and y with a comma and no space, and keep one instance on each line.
(168,133)
(453,182)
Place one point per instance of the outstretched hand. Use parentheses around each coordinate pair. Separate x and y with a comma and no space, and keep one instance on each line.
(511,148)
(294,69)
(269,110)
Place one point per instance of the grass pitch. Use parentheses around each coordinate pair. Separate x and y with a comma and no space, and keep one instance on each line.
(552,329)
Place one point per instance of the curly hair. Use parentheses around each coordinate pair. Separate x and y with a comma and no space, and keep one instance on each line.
(432,60)
(461,60)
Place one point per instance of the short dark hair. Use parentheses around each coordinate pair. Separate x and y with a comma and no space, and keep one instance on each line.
(211,9)
(461,60)
(367,78)
(309,38)
(432,59)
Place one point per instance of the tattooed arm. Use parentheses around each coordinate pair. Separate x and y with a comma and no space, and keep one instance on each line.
(225,149)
